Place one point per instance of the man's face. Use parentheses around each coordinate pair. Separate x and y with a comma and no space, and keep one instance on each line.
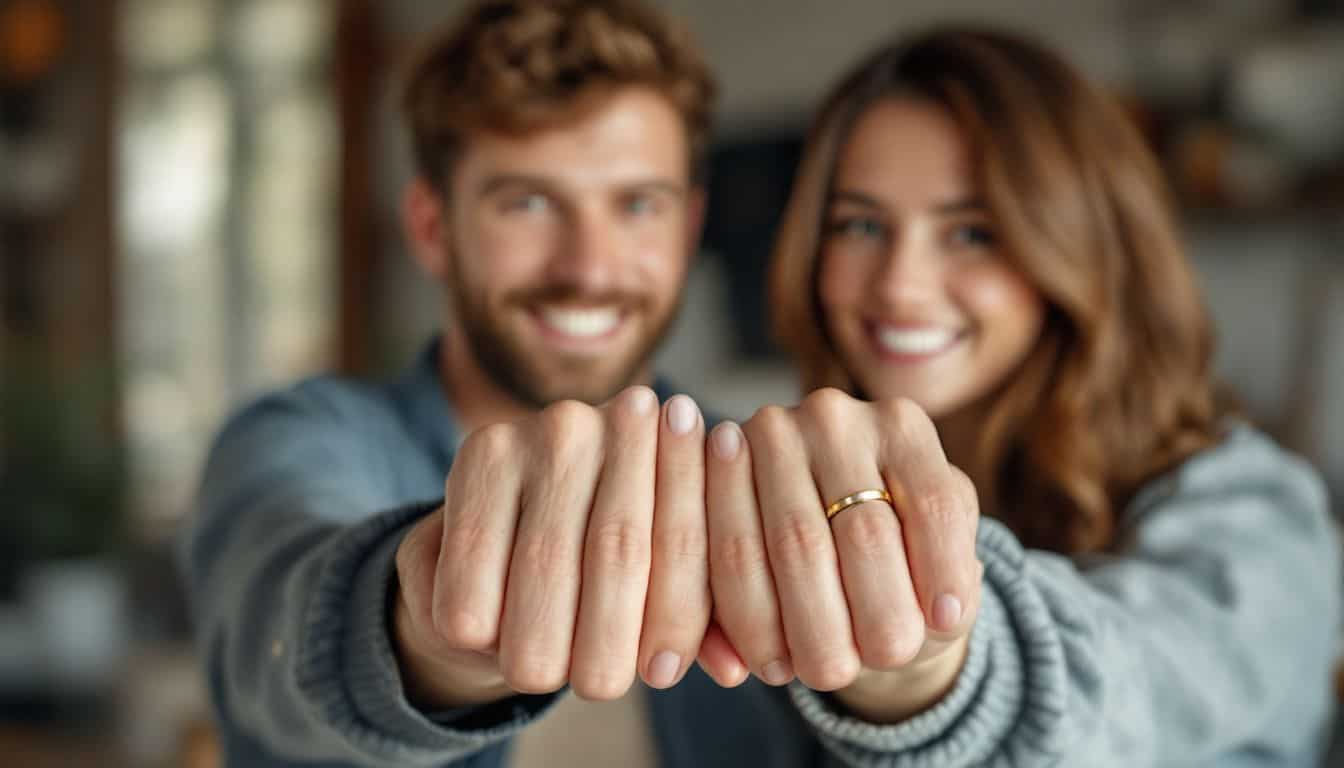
(568,249)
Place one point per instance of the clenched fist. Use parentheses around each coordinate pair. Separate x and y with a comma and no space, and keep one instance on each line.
(875,603)
(571,548)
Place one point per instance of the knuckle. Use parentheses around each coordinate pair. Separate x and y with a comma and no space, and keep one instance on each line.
(683,546)
(742,557)
(568,425)
(936,507)
(827,404)
(799,545)
(769,422)
(601,684)
(490,444)
(867,531)
(906,418)
(462,630)
(548,555)
(970,497)
(625,416)
(622,546)
(673,616)
(892,645)
(831,671)
(465,536)
(534,673)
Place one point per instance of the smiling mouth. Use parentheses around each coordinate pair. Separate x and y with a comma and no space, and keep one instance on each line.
(913,344)
(581,325)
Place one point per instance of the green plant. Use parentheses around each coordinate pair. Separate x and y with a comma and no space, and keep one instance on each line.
(62,474)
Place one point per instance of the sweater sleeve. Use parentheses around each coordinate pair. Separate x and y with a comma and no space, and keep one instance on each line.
(1210,633)
(289,564)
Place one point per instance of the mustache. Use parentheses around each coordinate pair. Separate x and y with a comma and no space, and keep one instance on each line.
(570,293)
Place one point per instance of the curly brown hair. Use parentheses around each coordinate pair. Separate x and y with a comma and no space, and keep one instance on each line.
(518,66)
(1117,388)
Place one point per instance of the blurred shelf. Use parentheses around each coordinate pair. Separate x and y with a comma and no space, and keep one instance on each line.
(42,747)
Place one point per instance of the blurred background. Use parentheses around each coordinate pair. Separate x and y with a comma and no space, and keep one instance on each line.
(197,202)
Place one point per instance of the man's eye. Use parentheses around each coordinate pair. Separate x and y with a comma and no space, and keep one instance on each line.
(529,203)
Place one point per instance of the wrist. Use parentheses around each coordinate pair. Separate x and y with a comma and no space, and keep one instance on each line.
(889,697)
(434,681)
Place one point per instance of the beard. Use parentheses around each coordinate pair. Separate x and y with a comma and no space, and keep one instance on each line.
(539,379)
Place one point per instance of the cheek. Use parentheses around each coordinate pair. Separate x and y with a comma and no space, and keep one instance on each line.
(1002,300)
(505,256)
(661,258)
(997,292)
(841,281)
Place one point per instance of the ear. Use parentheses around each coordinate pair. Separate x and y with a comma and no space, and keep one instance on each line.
(424,221)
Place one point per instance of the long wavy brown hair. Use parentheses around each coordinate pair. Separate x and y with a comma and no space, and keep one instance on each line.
(1117,389)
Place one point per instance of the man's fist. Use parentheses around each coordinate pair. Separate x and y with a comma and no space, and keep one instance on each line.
(571,549)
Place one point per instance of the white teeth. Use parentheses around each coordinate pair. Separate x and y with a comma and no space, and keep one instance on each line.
(915,341)
(581,323)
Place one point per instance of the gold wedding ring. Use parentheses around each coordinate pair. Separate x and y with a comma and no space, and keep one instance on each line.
(855,499)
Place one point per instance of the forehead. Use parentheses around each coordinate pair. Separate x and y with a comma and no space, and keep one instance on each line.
(907,150)
(633,134)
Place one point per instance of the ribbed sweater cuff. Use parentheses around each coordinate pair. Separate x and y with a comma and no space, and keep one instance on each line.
(1008,697)
(348,667)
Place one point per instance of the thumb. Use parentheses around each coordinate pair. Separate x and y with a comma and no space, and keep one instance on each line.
(719,659)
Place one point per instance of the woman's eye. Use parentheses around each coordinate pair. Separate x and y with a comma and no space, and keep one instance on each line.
(975,235)
(641,205)
(860,227)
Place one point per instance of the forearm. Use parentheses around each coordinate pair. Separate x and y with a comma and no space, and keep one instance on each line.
(1213,629)
(293,612)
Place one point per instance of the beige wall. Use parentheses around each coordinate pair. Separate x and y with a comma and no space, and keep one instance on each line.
(775,57)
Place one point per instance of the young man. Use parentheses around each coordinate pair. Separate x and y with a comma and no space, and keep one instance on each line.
(357,608)
(557,204)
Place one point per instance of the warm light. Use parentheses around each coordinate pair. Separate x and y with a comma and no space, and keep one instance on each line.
(32,36)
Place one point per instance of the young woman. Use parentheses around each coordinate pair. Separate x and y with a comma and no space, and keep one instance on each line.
(978,230)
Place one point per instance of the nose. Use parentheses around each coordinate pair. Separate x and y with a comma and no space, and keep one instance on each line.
(911,274)
(588,257)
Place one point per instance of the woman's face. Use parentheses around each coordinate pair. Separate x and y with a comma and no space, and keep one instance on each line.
(918,296)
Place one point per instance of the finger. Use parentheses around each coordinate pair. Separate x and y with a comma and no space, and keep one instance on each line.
(542,594)
(719,659)
(416,562)
(802,554)
(476,538)
(676,613)
(938,514)
(745,603)
(616,553)
(841,436)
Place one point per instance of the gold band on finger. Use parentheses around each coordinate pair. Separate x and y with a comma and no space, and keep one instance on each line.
(855,499)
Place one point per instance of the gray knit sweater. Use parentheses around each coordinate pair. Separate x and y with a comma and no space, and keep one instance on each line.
(1206,641)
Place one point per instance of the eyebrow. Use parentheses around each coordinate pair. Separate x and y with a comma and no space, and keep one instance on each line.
(965,205)
(493,184)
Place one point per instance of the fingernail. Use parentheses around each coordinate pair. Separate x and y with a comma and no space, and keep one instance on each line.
(641,400)
(663,669)
(777,673)
(946,612)
(727,441)
(682,415)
